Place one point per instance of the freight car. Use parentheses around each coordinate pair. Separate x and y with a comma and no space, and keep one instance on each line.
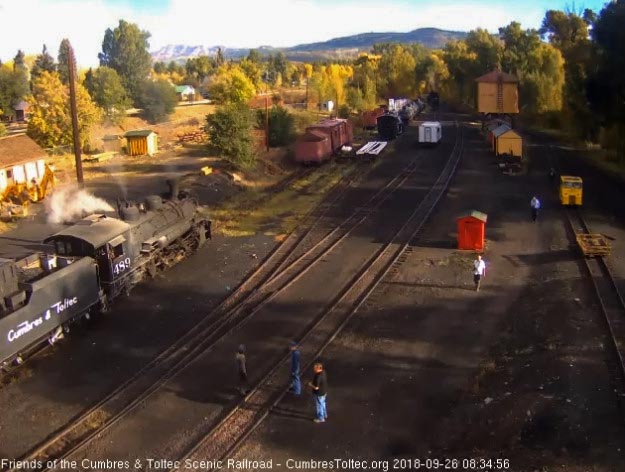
(92,263)
(369,118)
(322,140)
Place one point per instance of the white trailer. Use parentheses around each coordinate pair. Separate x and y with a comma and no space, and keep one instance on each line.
(430,132)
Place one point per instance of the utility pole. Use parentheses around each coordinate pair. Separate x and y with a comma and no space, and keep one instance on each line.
(74,111)
(267,121)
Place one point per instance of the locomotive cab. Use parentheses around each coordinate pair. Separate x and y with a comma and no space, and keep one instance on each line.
(104,239)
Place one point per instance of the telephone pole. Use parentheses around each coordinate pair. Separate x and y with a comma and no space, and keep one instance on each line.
(74,111)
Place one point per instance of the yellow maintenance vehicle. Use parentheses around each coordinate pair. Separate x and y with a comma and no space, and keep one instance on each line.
(571,189)
(24,175)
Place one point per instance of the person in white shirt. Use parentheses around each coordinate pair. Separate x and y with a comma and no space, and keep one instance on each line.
(535,204)
(479,271)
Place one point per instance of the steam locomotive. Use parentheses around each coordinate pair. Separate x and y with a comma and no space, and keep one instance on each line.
(93,262)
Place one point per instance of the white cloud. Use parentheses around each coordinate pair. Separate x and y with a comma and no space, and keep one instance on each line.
(27,24)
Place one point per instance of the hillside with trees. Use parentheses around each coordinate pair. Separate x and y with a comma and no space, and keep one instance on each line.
(571,74)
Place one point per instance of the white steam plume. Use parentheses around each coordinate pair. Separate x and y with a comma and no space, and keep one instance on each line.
(70,203)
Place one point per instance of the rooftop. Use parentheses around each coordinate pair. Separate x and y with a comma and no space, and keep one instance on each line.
(18,149)
(139,133)
(497,76)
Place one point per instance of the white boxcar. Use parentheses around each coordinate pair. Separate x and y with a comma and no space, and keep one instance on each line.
(430,132)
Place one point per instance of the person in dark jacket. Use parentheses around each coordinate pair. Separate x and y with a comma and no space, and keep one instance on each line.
(241,363)
(319,386)
(296,382)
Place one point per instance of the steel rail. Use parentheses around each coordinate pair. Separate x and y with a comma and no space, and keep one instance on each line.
(226,436)
(125,398)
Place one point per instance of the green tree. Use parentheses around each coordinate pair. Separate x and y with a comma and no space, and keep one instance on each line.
(174,68)
(13,88)
(21,73)
(281,125)
(569,33)
(126,49)
(106,89)
(158,100)
(397,72)
(254,56)
(606,87)
(461,63)
(43,62)
(277,64)
(539,67)
(488,50)
(160,67)
(220,59)
(230,133)
(519,45)
(432,74)
(50,122)
(253,71)
(198,68)
(19,61)
(231,85)
(65,49)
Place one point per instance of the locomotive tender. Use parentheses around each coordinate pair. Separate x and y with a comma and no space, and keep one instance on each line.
(93,261)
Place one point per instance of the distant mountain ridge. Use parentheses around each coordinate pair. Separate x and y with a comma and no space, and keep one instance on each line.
(336,48)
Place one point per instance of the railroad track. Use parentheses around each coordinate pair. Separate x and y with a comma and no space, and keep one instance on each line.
(222,439)
(608,293)
(281,269)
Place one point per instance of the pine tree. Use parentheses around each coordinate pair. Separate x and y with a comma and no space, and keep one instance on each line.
(43,62)
(65,49)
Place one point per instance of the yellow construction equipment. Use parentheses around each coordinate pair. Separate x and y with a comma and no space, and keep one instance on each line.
(571,189)
(29,191)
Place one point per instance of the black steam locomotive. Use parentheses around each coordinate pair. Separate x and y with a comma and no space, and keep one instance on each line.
(92,262)
(390,126)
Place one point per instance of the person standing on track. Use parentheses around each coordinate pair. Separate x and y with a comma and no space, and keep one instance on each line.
(479,271)
(535,204)
(319,386)
(241,363)
(296,382)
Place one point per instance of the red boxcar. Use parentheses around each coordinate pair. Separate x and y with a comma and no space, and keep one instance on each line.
(370,118)
(312,146)
(338,133)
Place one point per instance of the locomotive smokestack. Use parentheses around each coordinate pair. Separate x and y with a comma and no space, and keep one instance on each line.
(174,188)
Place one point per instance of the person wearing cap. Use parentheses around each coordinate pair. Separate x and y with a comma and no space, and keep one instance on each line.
(241,364)
(296,382)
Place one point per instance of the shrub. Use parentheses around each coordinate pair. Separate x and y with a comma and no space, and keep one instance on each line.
(344,111)
(281,126)
(230,132)
(3,130)
(158,100)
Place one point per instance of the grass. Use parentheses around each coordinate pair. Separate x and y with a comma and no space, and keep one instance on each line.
(277,213)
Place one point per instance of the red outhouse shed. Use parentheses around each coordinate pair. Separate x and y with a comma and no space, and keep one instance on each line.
(471,230)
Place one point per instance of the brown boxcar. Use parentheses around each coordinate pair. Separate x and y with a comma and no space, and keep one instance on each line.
(312,146)
(370,118)
(337,133)
(338,130)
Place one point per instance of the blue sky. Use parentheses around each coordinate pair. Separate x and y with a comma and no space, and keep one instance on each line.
(248,23)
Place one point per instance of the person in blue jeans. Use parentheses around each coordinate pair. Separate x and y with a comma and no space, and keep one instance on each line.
(319,386)
(296,382)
